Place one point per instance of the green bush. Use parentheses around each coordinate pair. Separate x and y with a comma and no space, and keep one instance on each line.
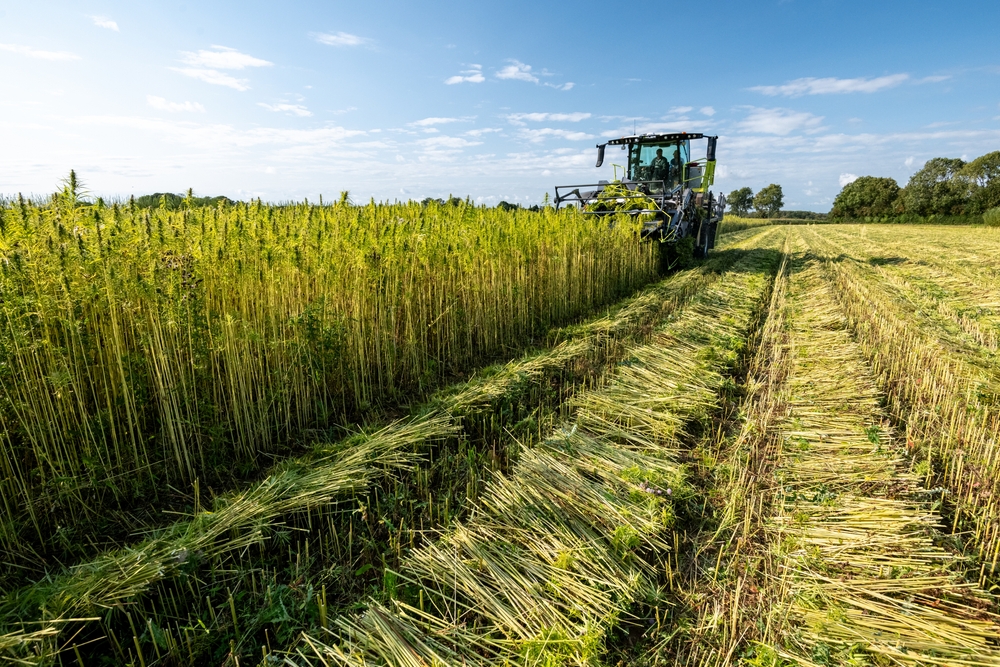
(992,217)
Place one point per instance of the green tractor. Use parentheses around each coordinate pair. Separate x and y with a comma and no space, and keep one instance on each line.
(662,185)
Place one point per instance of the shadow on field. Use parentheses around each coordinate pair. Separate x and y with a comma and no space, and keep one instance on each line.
(731,260)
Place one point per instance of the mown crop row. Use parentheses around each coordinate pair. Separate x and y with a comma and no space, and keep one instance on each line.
(142,351)
(841,529)
(556,552)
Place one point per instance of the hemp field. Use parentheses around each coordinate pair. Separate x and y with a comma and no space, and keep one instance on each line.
(449,435)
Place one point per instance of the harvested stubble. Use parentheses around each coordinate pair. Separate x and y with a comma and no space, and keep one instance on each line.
(555,552)
(330,475)
(146,348)
(948,399)
(222,538)
(723,592)
(864,579)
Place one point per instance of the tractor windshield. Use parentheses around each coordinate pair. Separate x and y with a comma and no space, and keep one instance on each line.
(658,162)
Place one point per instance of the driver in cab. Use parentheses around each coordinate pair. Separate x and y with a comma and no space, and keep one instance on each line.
(659,168)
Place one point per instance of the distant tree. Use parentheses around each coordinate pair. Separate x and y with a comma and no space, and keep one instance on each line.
(868,196)
(507,206)
(982,177)
(937,188)
(740,201)
(173,202)
(802,215)
(769,200)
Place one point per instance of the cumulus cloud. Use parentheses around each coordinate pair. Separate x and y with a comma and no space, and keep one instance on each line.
(37,53)
(214,77)
(104,22)
(517,71)
(829,85)
(222,57)
(427,122)
(340,39)
(173,107)
(680,110)
(847,179)
(291,109)
(545,132)
(707,111)
(205,66)
(481,131)
(537,117)
(780,121)
(446,143)
(472,75)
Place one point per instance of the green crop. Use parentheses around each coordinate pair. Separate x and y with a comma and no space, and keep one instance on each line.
(147,348)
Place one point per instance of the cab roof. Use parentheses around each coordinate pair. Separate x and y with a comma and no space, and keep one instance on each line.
(657,138)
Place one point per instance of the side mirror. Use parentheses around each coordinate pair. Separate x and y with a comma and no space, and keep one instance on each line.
(711,148)
(600,154)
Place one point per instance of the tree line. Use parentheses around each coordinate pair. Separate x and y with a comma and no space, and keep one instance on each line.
(766,204)
(942,187)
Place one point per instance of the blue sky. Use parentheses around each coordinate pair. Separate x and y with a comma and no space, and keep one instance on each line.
(400,100)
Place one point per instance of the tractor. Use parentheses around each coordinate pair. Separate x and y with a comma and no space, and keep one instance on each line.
(662,185)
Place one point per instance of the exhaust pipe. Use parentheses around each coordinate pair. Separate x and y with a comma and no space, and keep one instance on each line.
(600,154)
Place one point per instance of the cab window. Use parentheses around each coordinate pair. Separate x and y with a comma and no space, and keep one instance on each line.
(643,165)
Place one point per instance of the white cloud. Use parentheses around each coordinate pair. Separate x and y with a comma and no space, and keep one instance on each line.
(481,131)
(173,107)
(292,109)
(36,53)
(104,22)
(520,118)
(707,111)
(214,77)
(445,142)
(847,179)
(680,110)
(909,161)
(222,57)
(517,71)
(205,66)
(472,75)
(828,85)
(340,39)
(545,132)
(933,79)
(427,122)
(780,121)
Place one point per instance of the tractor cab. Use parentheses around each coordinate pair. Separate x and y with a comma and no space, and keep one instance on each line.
(661,163)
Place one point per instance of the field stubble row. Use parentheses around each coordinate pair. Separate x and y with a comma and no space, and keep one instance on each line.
(846,560)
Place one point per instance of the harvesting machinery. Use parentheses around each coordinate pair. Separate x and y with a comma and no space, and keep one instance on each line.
(662,184)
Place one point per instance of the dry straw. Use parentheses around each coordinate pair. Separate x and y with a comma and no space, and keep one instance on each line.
(553,554)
